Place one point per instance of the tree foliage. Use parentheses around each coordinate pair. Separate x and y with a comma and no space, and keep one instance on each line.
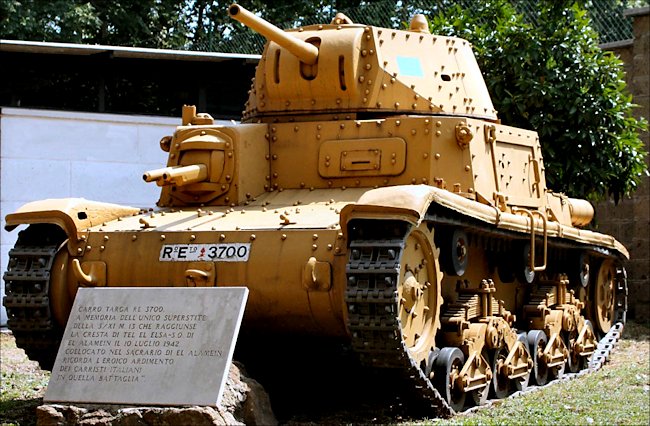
(147,23)
(552,77)
(176,24)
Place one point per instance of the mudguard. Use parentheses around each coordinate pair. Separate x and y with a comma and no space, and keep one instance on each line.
(73,215)
(411,203)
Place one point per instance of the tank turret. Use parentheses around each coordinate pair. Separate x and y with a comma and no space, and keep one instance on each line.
(352,70)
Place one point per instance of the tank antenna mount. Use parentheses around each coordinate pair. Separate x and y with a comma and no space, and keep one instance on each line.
(419,24)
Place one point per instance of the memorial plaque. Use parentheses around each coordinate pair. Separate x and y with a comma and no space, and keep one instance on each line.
(154,346)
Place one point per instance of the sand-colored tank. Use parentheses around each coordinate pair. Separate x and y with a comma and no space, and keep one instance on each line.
(371,194)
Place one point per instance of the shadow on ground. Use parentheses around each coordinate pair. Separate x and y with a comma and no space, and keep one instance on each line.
(320,381)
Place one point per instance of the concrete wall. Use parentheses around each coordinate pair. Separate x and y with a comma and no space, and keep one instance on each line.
(630,220)
(54,154)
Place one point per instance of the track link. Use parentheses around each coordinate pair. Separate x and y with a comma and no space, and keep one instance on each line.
(371,296)
(27,285)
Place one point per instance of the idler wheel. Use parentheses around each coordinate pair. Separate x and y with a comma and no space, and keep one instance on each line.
(536,344)
(418,294)
(447,369)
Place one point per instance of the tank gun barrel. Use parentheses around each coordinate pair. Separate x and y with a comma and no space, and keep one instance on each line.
(177,175)
(307,53)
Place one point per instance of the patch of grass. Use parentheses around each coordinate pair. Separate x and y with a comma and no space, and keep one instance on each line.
(619,393)
(23,384)
(609,396)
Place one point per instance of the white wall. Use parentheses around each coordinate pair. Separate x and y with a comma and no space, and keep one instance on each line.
(55,154)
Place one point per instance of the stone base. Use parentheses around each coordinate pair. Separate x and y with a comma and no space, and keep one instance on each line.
(244,401)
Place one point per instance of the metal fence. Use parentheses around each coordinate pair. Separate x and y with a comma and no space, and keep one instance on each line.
(609,22)
(606,15)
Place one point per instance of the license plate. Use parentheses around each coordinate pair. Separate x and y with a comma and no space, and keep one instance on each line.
(230,252)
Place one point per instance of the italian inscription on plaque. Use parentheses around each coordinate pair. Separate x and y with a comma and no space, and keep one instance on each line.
(154,346)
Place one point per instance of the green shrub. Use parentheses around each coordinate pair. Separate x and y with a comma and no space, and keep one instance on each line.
(550,76)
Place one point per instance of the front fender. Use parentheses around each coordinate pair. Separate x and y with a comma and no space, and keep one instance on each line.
(403,202)
(73,215)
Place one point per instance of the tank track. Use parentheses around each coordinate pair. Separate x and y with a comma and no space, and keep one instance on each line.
(27,286)
(371,297)
(372,274)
